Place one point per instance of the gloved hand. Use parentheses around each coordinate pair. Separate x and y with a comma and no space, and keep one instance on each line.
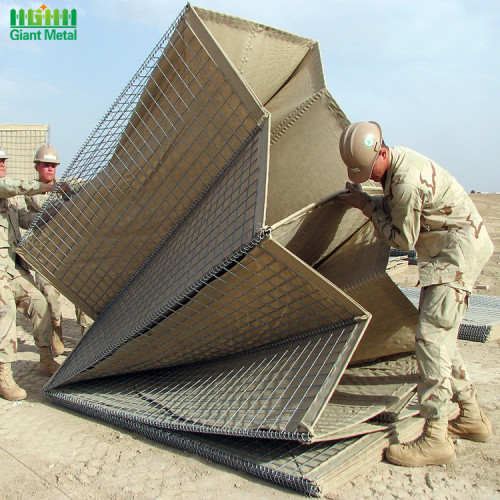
(64,190)
(357,198)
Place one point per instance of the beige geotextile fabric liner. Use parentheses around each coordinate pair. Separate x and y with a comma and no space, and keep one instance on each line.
(394,318)
(363,393)
(316,232)
(286,74)
(268,296)
(265,57)
(341,245)
(351,462)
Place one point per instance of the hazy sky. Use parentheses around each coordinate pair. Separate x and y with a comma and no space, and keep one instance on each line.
(428,71)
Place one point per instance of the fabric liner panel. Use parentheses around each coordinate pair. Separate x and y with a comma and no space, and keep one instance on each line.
(264,56)
(354,430)
(365,392)
(331,238)
(269,295)
(392,330)
(302,86)
(407,430)
(315,232)
(300,148)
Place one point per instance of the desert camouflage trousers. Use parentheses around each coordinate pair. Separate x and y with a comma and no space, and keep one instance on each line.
(53,299)
(21,293)
(83,320)
(443,377)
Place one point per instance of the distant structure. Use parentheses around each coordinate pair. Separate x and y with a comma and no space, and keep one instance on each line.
(21,141)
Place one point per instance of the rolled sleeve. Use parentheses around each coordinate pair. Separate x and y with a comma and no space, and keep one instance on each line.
(398,222)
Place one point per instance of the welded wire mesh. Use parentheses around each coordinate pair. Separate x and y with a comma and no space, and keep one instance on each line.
(175,129)
(482,310)
(265,393)
(250,300)
(21,141)
(222,221)
(285,463)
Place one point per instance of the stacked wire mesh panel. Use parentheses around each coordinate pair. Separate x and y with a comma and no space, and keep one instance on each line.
(182,239)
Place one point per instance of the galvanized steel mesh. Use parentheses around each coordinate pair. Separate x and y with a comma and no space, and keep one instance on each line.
(267,392)
(166,140)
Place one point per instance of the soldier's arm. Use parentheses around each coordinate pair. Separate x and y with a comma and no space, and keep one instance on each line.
(399,227)
(13,187)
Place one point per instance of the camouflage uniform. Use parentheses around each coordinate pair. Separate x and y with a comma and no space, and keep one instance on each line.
(16,285)
(425,207)
(34,204)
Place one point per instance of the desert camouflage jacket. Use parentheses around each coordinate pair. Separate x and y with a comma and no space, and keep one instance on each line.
(12,217)
(424,206)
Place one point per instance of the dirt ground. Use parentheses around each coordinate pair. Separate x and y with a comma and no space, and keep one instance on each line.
(47,452)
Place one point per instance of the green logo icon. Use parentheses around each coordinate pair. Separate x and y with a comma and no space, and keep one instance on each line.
(43,24)
(369,141)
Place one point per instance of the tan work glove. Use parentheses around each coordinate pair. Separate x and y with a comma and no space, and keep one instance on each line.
(357,198)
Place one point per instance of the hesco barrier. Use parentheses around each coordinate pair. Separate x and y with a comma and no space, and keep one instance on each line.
(235,317)
(21,141)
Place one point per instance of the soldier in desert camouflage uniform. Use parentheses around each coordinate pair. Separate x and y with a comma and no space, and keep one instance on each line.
(424,207)
(46,161)
(17,288)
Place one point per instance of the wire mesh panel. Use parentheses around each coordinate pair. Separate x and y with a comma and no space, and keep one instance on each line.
(268,392)
(254,299)
(310,469)
(221,222)
(174,130)
(21,141)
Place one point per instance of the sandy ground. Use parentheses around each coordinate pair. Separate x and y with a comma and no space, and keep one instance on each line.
(47,452)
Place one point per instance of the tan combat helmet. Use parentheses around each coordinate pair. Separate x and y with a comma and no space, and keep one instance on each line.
(3,154)
(47,154)
(359,145)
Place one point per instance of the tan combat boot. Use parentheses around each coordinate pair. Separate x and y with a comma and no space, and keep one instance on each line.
(47,365)
(8,387)
(433,447)
(57,339)
(472,423)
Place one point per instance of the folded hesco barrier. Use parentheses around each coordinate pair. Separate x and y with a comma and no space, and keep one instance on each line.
(226,302)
